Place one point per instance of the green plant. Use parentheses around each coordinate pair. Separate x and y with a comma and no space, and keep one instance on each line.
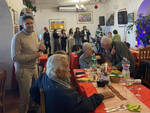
(29,5)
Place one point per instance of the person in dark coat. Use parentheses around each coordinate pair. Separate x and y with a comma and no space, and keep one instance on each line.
(77,36)
(63,37)
(56,41)
(85,34)
(59,97)
(46,37)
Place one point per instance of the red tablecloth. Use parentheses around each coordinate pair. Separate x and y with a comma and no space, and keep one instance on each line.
(145,94)
(87,89)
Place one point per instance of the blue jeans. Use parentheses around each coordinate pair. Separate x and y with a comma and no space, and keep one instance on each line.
(77,41)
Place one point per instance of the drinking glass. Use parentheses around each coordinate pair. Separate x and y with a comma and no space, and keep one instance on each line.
(138,91)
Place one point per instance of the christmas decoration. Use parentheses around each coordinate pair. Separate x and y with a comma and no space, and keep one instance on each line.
(29,5)
(142,30)
(96,6)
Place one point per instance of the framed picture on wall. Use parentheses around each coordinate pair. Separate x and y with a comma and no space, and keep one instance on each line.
(102,20)
(110,20)
(122,17)
(130,17)
(56,24)
(84,17)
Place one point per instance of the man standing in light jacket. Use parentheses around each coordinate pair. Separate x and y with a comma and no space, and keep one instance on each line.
(25,51)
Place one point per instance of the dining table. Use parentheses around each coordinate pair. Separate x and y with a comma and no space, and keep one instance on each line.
(124,95)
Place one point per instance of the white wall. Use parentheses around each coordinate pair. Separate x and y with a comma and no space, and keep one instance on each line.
(105,9)
(131,6)
(6,33)
(6,29)
(42,17)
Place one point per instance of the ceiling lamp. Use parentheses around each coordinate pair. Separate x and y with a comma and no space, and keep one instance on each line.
(78,5)
(76,1)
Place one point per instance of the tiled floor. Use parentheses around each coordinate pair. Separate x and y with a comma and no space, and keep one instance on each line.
(11,100)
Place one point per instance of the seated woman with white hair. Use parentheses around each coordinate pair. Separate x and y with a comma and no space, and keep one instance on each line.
(85,60)
(118,51)
(59,97)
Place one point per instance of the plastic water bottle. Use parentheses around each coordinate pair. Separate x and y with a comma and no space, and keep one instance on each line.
(94,61)
(126,71)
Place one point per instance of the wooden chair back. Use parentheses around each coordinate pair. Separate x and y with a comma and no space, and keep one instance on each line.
(144,54)
(2,90)
(146,76)
(42,104)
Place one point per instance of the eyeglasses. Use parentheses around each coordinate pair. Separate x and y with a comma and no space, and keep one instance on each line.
(29,23)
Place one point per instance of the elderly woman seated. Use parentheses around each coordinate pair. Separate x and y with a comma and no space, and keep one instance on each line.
(59,97)
(118,51)
(85,60)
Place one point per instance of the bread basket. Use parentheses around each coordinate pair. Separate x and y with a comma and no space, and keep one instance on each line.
(115,79)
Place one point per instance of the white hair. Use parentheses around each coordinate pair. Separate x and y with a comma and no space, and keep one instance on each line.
(55,62)
(85,46)
(106,41)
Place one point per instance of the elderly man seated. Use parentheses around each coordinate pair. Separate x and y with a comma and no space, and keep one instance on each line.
(59,97)
(118,51)
(85,60)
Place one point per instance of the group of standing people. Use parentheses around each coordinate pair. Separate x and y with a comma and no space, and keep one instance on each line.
(63,40)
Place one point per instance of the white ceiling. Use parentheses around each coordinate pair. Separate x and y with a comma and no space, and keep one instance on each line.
(44,4)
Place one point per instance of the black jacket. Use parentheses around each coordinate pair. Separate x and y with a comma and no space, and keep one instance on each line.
(88,35)
(55,36)
(46,37)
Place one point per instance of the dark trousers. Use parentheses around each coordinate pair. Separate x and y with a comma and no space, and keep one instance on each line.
(83,41)
(56,45)
(63,45)
(48,47)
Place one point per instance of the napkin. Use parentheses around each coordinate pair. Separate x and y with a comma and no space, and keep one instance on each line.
(84,79)
(115,72)
(134,107)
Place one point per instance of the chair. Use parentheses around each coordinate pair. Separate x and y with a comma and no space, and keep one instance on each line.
(2,90)
(74,61)
(144,54)
(42,104)
(145,67)
(147,46)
